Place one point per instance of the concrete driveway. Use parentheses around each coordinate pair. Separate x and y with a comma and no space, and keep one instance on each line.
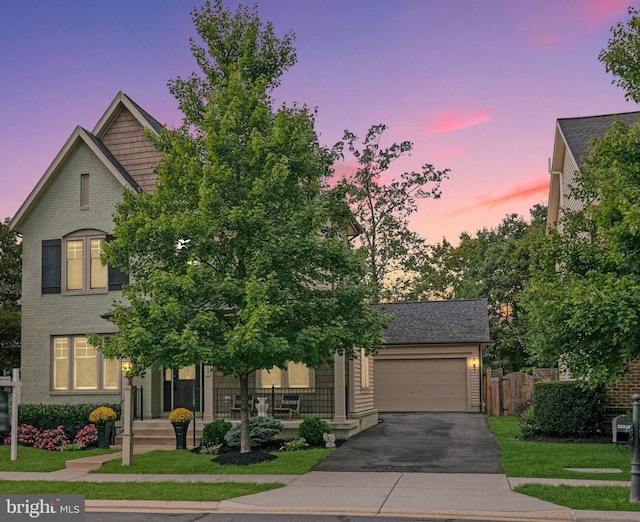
(420,443)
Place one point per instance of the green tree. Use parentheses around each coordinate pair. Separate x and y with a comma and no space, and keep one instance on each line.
(382,205)
(622,55)
(494,264)
(583,304)
(10,292)
(239,259)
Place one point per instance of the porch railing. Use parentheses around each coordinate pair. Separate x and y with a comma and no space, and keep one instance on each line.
(314,402)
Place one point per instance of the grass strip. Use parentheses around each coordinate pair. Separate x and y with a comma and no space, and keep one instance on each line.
(183,461)
(549,459)
(193,491)
(35,459)
(598,498)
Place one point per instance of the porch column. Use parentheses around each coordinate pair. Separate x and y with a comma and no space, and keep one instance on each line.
(340,406)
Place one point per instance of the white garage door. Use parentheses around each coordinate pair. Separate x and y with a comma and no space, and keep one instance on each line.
(421,385)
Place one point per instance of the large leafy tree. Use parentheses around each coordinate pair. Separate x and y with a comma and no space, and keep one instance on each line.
(382,204)
(583,305)
(622,55)
(494,264)
(10,292)
(239,259)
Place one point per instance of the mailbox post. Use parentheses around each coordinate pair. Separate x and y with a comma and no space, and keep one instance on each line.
(635,461)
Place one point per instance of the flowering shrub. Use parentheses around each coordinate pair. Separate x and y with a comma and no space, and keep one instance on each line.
(51,439)
(180,415)
(27,435)
(87,436)
(102,415)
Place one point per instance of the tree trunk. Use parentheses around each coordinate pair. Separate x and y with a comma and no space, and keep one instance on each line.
(245,445)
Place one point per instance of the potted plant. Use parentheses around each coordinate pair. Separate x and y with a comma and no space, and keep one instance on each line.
(103,418)
(180,418)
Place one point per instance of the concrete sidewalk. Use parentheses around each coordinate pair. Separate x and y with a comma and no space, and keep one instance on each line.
(427,495)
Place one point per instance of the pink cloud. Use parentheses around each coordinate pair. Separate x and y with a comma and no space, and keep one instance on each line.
(451,152)
(537,187)
(597,12)
(546,39)
(456,119)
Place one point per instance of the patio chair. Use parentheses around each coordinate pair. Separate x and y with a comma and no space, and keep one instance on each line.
(289,405)
(237,405)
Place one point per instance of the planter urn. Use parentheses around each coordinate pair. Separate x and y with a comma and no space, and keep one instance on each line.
(104,434)
(180,429)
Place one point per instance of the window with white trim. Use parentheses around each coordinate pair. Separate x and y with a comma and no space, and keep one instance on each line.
(365,379)
(78,366)
(84,271)
(297,375)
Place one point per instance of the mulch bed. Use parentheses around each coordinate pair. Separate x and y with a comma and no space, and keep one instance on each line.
(229,455)
(573,440)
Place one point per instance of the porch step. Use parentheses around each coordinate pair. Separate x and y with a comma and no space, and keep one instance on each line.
(159,432)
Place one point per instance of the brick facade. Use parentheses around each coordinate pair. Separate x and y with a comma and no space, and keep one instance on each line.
(619,396)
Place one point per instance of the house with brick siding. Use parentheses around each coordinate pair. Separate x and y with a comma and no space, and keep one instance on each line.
(67,292)
(570,148)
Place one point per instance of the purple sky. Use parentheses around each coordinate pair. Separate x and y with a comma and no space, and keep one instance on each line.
(476,85)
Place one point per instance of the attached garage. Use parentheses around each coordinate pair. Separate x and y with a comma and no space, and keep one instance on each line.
(421,385)
(432,358)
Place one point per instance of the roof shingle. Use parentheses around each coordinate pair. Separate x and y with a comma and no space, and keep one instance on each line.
(438,322)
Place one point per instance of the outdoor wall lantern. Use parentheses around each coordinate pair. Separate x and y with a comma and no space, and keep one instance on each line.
(474,363)
(127,369)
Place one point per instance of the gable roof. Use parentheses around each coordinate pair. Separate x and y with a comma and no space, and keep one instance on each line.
(438,322)
(92,140)
(577,132)
(79,136)
(112,112)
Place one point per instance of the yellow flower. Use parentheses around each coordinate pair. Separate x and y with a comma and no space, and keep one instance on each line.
(180,415)
(102,414)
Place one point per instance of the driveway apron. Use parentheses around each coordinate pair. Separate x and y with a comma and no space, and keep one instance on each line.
(420,443)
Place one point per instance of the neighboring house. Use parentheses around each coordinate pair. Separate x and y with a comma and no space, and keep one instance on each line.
(433,356)
(570,148)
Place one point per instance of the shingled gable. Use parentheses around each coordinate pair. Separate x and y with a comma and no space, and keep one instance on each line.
(577,132)
(571,147)
(438,322)
(93,141)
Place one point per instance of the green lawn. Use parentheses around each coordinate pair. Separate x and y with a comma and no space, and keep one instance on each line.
(599,498)
(34,459)
(287,463)
(195,491)
(549,460)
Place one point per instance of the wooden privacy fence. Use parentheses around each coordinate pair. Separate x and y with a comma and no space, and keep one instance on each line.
(509,395)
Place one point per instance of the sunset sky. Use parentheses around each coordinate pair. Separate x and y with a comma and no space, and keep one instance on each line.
(476,85)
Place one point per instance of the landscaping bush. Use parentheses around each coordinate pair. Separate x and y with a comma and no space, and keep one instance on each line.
(527,422)
(261,431)
(214,432)
(87,436)
(567,409)
(311,429)
(73,417)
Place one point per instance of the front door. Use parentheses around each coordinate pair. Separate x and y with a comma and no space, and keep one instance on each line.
(182,388)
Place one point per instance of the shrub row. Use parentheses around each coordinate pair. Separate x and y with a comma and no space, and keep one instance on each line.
(564,409)
(73,417)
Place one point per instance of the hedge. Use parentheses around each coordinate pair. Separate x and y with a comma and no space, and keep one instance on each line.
(568,409)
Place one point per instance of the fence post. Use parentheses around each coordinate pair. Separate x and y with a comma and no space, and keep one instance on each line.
(635,461)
